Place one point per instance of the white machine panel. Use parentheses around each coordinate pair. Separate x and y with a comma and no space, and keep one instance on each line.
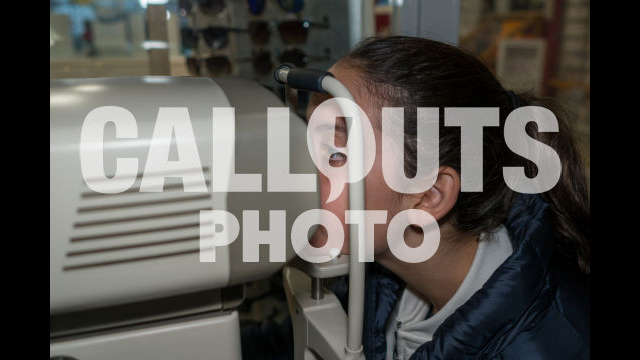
(201,338)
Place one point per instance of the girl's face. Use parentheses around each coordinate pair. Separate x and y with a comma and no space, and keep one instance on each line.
(378,196)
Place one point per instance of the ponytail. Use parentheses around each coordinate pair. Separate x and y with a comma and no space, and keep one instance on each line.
(569,199)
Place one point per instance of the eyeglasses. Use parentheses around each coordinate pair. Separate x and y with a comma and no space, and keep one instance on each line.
(256,7)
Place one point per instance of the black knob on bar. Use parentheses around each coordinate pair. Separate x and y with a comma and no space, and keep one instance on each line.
(301,79)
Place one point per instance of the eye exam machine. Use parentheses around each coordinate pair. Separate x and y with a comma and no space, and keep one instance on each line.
(125,277)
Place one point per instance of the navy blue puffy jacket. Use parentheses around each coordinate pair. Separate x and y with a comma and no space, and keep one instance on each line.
(535,306)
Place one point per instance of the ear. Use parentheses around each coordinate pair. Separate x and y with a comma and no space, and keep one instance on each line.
(442,196)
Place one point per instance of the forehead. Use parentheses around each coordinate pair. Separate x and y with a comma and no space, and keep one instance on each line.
(350,77)
(317,99)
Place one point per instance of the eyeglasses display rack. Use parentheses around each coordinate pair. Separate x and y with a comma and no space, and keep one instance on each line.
(248,38)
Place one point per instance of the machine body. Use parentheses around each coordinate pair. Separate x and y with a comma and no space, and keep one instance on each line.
(126,266)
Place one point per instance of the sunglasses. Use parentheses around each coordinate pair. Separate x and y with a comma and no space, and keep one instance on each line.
(217,65)
(256,7)
(291,6)
(300,59)
(259,32)
(185,7)
(261,61)
(189,38)
(217,37)
(292,32)
(211,7)
(193,67)
(220,65)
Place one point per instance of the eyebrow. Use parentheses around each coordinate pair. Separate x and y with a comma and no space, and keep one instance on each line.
(317,98)
(314,100)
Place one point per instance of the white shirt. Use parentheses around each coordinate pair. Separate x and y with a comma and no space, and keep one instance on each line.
(408,327)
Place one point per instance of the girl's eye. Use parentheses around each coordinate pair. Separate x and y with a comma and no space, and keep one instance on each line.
(337,159)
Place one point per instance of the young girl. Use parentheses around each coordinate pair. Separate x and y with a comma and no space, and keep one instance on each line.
(510,278)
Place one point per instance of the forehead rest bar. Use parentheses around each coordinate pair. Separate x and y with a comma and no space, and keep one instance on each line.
(301,79)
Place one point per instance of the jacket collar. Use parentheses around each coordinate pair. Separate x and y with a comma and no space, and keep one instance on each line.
(516,291)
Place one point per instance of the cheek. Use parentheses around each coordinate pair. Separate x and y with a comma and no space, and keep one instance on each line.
(380,197)
(336,207)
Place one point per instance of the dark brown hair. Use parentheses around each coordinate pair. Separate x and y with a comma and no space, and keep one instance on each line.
(409,72)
